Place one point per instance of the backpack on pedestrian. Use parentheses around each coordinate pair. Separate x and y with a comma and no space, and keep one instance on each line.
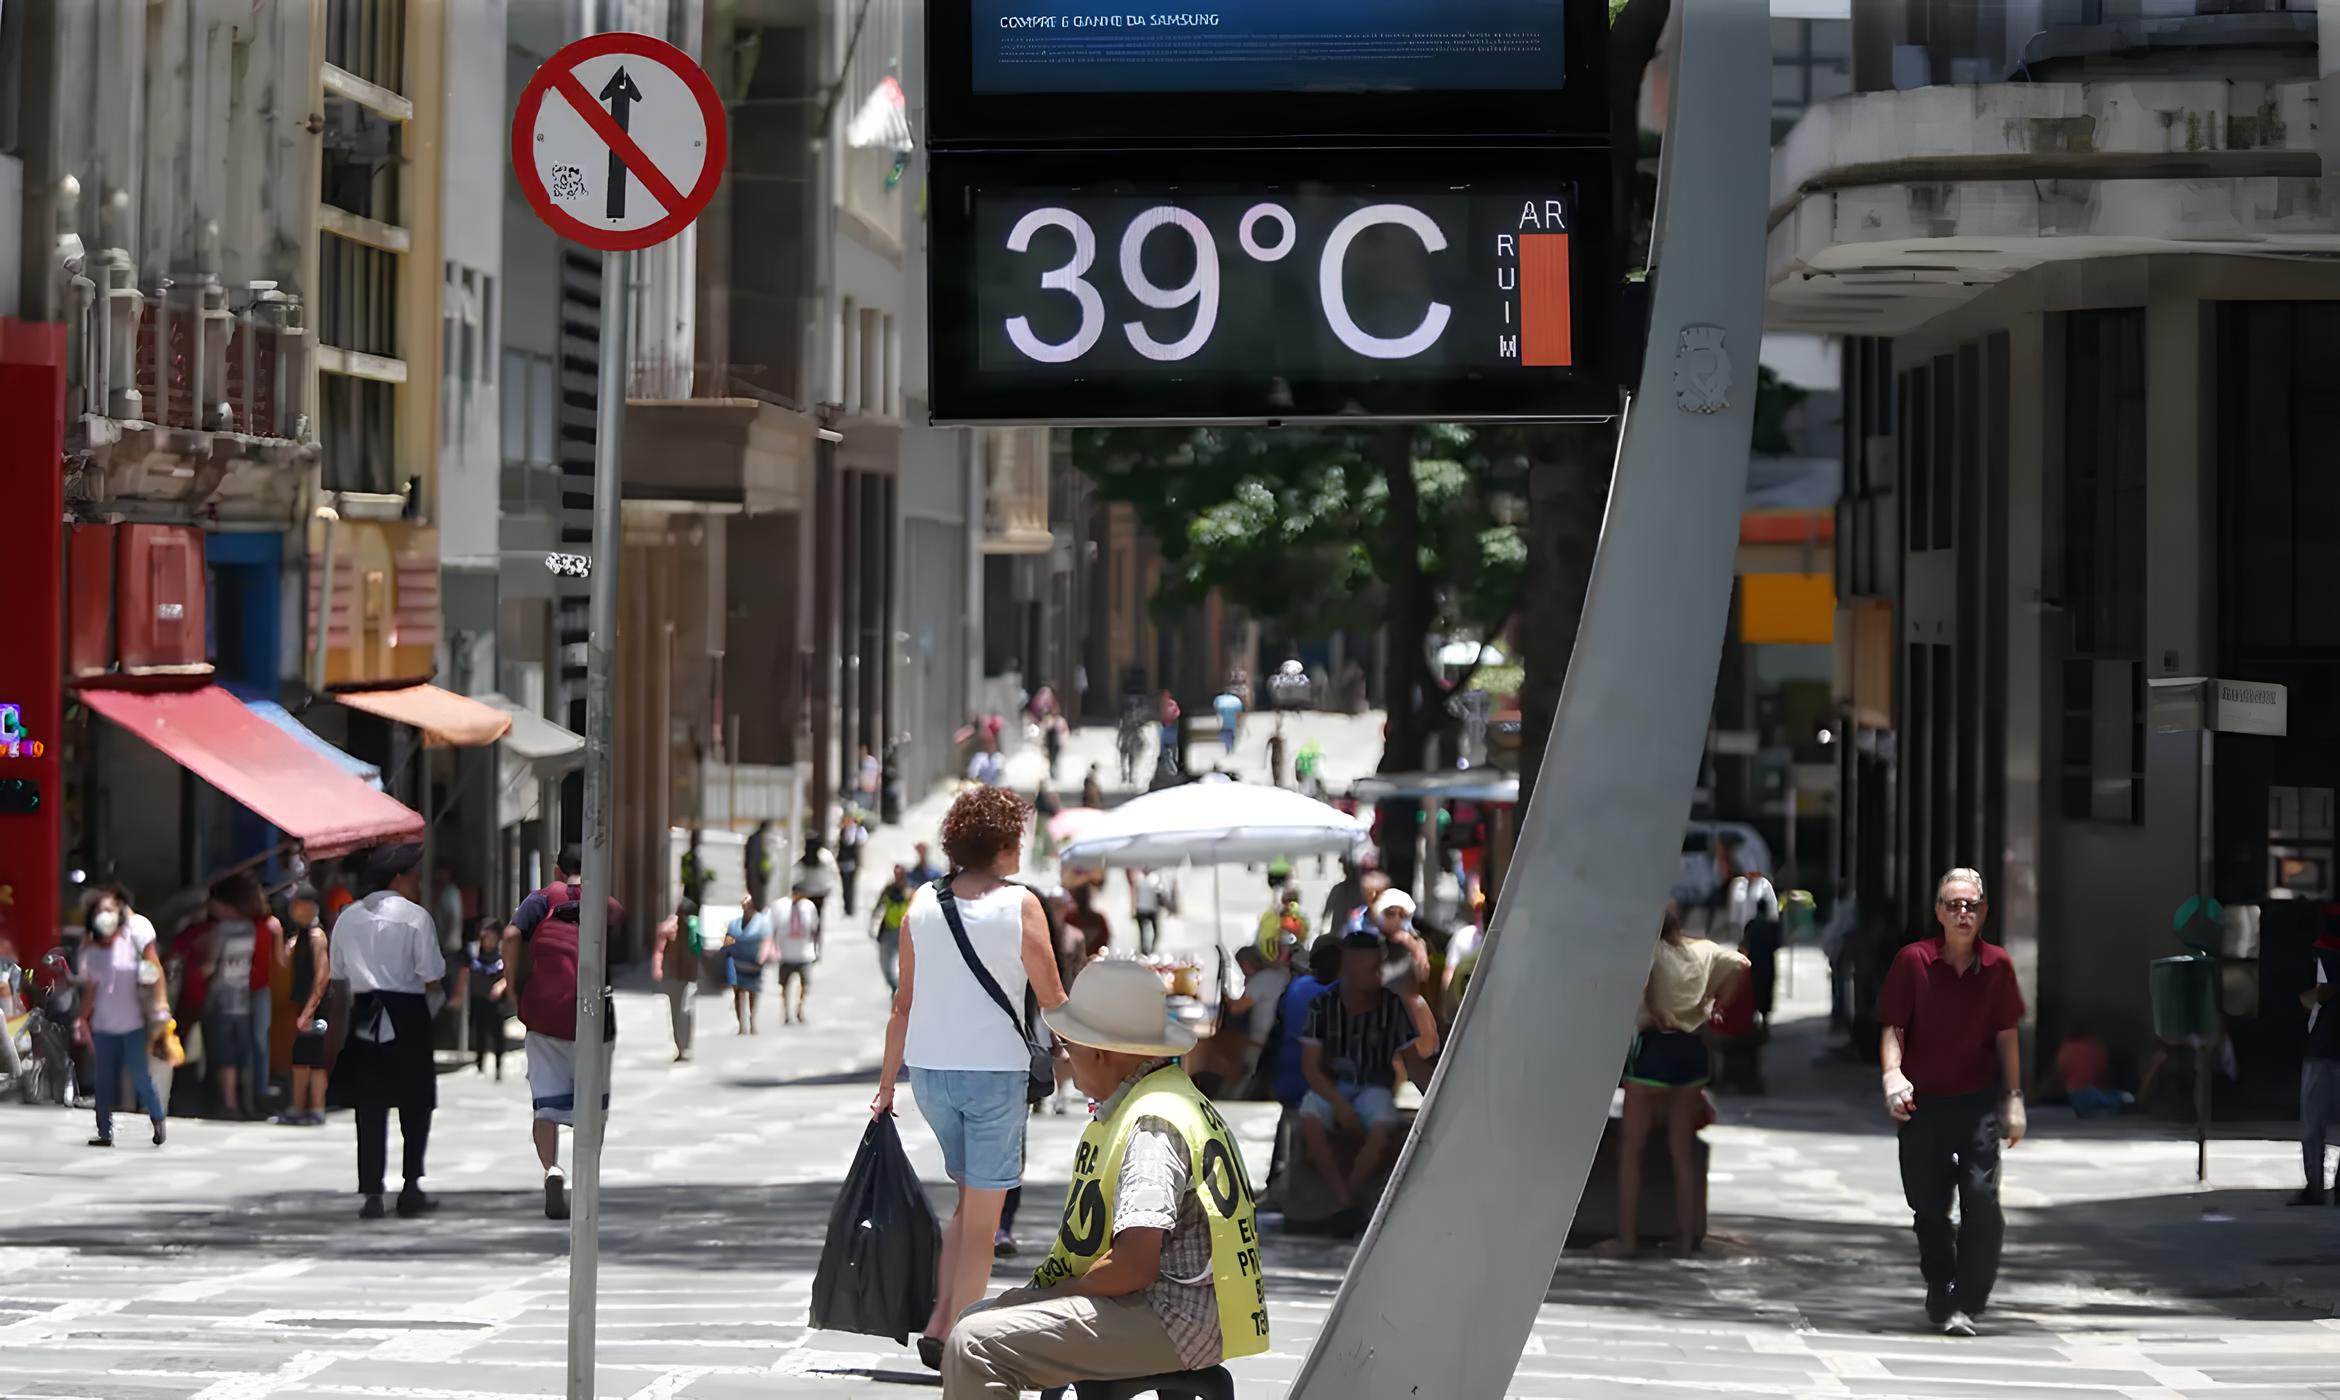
(548,999)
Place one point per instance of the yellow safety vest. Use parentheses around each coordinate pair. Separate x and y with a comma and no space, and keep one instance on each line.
(1221,1184)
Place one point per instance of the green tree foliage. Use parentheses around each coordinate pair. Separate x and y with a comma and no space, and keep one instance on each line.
(1296,527)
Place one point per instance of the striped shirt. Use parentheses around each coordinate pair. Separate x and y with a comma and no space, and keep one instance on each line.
(1360,1047)
(1156,1192)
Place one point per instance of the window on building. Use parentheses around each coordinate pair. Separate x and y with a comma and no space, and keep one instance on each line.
(2104,565)
(357,433)
(531,408)
(1811,61)
(11,72)
(362,160)
(2279,413)
(847,371)
(367,38)
(357,297)
(872,344)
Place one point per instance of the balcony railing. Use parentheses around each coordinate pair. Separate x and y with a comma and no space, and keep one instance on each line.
(184,356)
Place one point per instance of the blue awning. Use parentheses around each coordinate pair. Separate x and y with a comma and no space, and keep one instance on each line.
(283,719)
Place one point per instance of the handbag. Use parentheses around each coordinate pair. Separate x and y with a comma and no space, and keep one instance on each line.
(1042,1082)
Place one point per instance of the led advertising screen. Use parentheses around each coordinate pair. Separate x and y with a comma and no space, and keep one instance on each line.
(1261,71)
(1250,46)
(1233,297)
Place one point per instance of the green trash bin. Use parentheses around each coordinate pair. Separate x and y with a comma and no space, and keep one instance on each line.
(2185,996)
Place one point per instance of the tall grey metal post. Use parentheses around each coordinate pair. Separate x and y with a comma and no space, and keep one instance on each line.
(1445,1288)
(609,426)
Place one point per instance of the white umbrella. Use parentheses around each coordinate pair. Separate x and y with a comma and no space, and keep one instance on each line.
(1214,820)
(1210,822)
(1464,653)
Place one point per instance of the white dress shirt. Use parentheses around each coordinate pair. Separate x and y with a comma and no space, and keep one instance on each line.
(387,943)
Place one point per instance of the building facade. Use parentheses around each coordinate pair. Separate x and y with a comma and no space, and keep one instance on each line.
(2079,262)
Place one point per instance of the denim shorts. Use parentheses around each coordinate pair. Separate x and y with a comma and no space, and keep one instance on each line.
(1376,1108)
(978,1117)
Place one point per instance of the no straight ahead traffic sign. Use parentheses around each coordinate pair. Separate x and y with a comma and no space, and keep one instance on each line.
(618,141)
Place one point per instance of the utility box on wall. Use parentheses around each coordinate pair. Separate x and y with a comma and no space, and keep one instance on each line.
(136,601)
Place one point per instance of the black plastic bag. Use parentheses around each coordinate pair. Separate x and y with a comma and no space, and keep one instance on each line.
(879,1267)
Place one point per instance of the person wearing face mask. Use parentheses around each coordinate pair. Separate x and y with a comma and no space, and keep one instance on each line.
(121,978)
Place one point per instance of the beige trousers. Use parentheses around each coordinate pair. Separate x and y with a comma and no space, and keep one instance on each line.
(1025,1340)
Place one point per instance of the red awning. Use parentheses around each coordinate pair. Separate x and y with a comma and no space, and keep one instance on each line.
(211,734)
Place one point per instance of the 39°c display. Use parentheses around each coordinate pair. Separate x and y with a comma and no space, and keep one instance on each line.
(1306,299)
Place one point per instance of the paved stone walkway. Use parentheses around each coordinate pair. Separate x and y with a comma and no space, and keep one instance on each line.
(231,1266)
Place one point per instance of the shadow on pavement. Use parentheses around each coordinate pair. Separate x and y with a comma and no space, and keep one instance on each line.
(2075,1268)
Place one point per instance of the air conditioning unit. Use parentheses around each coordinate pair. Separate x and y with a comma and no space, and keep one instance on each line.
(135,601)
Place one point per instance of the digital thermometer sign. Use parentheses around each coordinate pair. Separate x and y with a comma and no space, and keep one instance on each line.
(1236,299)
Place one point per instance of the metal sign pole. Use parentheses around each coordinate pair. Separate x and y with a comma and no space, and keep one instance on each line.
(609,426)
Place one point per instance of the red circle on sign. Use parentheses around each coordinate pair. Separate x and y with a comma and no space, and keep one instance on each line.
(564,63)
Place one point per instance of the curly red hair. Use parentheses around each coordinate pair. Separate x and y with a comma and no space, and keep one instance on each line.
(983,822)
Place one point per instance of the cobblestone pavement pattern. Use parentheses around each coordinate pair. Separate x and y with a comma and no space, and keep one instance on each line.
(230,1265)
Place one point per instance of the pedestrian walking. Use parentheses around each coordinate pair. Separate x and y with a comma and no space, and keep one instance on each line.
(977,944)
(799,948)
(242,952)
(1665,1076)
(1045,807)
(123,1009)
(1093,787)
(487,987)
(886,916)
(674,966)
(387,948)
(543,967)
(1230,708)
(1145,903)
(852,838)
(2319,1072)
(1953,1072)
(924,871)
(747,947)
(816,876)
(1157,1270)
(695,874)
(309,955)
(758,868)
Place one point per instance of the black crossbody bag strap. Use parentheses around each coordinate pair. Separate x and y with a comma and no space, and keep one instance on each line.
(1043,1065)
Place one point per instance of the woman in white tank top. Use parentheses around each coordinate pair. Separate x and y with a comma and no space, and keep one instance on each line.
(968,1060)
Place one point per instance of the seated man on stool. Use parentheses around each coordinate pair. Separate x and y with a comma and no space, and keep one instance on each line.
(1156,1268)
(1349,1047)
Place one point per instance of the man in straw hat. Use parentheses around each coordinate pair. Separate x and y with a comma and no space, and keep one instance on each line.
(1156,1267)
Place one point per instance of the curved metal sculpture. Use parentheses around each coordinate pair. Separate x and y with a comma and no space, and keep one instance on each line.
(1446,1285)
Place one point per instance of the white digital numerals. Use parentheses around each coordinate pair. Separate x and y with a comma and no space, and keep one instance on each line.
(1064,279)
(1202,290)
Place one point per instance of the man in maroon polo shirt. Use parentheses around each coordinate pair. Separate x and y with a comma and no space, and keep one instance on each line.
(1953,1062)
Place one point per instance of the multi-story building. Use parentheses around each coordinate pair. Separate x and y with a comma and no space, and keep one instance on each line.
(2080,254)
(216,211)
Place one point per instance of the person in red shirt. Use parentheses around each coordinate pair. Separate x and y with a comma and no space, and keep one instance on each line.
(1953,1064)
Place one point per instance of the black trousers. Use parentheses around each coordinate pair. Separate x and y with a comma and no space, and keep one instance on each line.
(373,1142)
(1950,1147)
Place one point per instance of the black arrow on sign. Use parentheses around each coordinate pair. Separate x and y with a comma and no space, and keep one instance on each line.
(621,95)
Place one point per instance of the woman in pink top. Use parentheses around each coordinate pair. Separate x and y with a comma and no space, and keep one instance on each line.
(115,998)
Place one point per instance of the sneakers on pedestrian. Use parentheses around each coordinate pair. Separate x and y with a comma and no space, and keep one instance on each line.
(412,1202)
(159,1134)
(102,1140)
(556,1196)
(1958,1325)
(1004,1246)
(1938,1306)
(372,1209)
